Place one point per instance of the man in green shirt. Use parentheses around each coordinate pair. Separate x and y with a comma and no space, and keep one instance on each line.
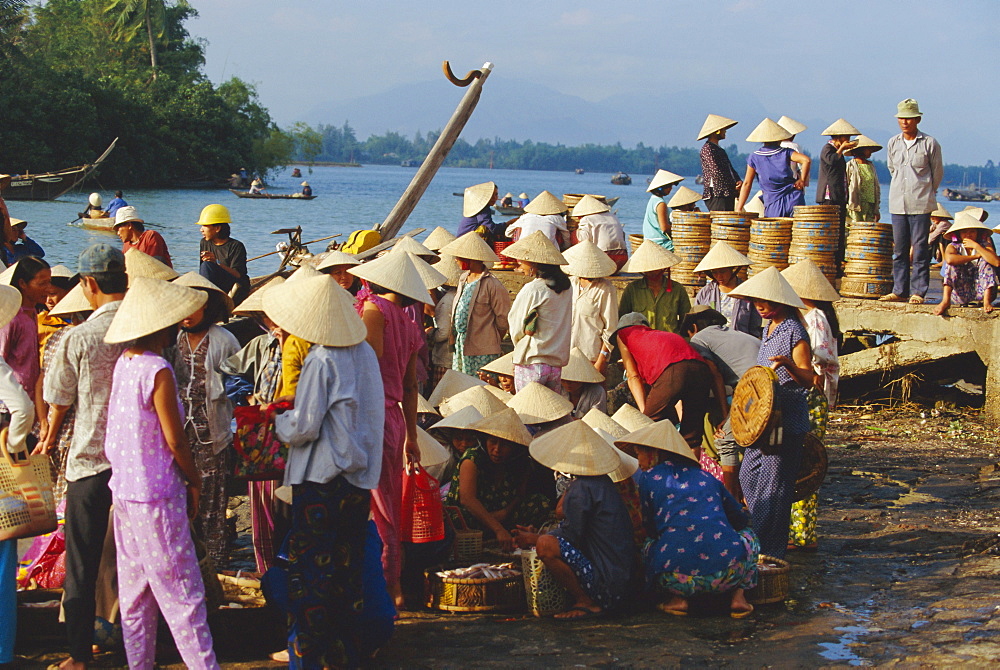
(663,301)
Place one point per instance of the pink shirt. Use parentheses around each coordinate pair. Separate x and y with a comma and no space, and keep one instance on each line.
(143,469)
(401,340)
(19,347)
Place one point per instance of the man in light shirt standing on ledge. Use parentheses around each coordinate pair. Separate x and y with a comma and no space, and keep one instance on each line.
(914,161)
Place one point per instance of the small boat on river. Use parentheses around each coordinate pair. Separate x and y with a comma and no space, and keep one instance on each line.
(51,185)
(106,224)
(621,179)
(968,194)
(508,211)
(272,196)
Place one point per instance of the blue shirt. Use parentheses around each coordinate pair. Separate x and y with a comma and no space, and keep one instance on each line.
(780,342)
(651,224)
(691,519)
(26,247)
(484,218)
(115,205)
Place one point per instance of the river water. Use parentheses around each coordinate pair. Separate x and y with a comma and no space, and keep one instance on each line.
(348,199)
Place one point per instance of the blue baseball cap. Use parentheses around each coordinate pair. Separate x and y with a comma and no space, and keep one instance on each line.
(100,258)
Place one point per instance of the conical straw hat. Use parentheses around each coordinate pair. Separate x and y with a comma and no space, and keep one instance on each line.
(630,418)
(138,264)
(448,266)
(317,310)
(536,403)
(598,420)
(195,280)
(663,178)
(722,256)
(428,275)
(575,449)
(253,301)
(523,196)
(791,125)
(432,452)
(478,397)
(684,196)
(73,302)
(7,276)
(477,198)
(508,194)
(395,272)
(967,221)
(589,205)
(62,271)
(580,369)
(840,127)
(768,131)
(977,212)
(545,204)
(452,383)
(660,435)
(536,248)
(768,285)
(585,259)
(756,204)
(424,407)
(650,256)
(713,124)
(941,212)
(334,258)
(438,238)
(628,465)
(407,243)
(501,366)
(151,305)
(504,425)
(10,303)
(865,142)
(809,282)
(304,271)
(472,247)
(460,420)
(498,393)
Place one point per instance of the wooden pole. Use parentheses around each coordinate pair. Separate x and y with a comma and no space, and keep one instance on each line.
(425,173)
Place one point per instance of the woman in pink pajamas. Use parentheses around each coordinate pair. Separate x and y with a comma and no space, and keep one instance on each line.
(155,483)
(394,283)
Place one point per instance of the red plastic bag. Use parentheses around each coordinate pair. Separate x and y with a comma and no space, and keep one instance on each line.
(423,512)
(48,569)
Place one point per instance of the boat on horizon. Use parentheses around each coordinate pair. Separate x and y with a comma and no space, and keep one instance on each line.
(271,196)
(621,179)
(968,194)
(51,185)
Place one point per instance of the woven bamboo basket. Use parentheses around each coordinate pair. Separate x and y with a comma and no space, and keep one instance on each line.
(451,594)
(772,581)
(754,405)
(854,287)
(634,241)
(468,542)
(542,592)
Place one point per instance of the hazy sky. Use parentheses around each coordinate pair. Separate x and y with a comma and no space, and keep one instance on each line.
(809,59)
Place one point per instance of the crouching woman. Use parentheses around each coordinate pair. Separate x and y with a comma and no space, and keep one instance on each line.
(699,542)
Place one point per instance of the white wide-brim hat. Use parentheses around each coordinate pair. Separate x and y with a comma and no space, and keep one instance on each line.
(477,197)
(150,305)
(396,273)
(452,383)
(536,403)
(768,285)
(575,449)
(768,131)
(663,178)
(438,238)
(139,264)
(722,256)
(713,124)
(659,435)
(585,259)
(791,125)
(650,257)
(471,247)
(588,205)
(334,258)
(195,280)
(684,196)
(317,310)
(809,282)
(536,248)
(545,204)
(840,127)
(580,369)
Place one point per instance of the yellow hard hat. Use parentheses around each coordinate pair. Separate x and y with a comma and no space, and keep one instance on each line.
(213,215)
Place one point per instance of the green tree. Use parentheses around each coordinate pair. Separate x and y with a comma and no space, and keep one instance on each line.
(308,142)
(133,16)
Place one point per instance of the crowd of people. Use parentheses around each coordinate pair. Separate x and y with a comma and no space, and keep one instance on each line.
(128,375)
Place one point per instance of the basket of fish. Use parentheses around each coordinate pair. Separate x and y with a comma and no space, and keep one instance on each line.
(482,587)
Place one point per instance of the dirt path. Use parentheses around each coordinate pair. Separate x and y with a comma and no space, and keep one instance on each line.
(906,573)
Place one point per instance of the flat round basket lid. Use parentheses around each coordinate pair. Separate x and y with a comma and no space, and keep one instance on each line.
(812,471)
(753,404)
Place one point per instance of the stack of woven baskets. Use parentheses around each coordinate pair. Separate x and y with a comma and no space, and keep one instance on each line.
(733,228)
(868,273)
(815,235)
(769,243)
(692,236)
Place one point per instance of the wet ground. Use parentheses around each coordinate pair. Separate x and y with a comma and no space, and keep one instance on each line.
(906,574)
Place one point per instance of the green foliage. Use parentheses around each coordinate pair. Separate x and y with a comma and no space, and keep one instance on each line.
(308,141)
(78,86)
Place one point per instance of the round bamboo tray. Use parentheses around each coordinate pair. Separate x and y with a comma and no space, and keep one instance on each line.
(634,241)
(772,581)
(812,469)
(864,287)
(754,402)
(452,594)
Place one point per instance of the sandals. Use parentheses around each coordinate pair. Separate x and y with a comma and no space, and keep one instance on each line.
(892,297)
(741,614)
(916,300)
(667,610)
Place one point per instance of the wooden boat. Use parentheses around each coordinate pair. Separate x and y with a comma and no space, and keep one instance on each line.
(410,163)
(970,194)
(106,224)
(51,185)
(271,196)
(579,170)
(508,211)
(621,179)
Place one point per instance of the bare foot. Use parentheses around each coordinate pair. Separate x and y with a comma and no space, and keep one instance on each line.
(280,656)
(738,606)
(943,307)
(70,664)
(676,606)
(987,307)
(580,611)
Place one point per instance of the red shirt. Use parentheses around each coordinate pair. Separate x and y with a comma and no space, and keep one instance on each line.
(656,350)
(152,243)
